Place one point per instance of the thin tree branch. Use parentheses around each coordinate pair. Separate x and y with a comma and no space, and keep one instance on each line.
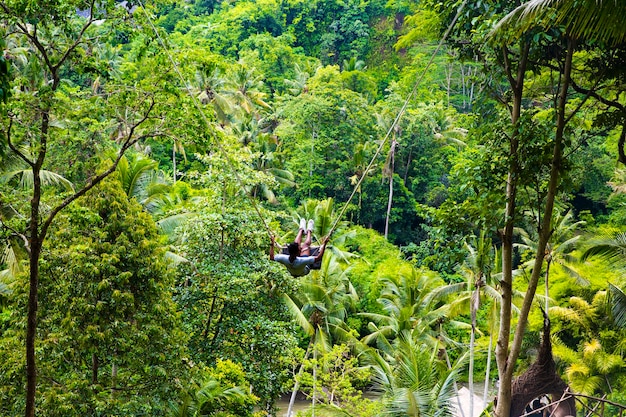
(128,142)
(77,41)
(14,148)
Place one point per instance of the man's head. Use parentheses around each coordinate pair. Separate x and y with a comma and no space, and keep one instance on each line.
(294,249)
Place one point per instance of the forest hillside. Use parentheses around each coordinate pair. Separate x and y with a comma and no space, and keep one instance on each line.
(459,164)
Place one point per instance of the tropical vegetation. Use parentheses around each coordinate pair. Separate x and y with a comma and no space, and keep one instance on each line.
(463,158)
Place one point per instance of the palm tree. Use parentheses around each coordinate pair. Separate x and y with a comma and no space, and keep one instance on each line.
(414,381)
(263,150)
(385,121)
(361,168)
(298,84)
(353,64)
(558,250)
(245,88)
(476,269)
(483,271)
(320,308)
(211,86)
(618,305)
(612,249)
(412,301)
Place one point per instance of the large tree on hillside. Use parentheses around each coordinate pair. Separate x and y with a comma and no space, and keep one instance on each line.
(56,102)
(228,275)
(577,18)
(526,54)
(110,338)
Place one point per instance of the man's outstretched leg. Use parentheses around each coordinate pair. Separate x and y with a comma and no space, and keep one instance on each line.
(300,232)
(306,248)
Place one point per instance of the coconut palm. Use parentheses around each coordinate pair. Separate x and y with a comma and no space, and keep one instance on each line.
(411,301)
(476,269)
(558,250)
(245,86)
(211,86)
(298,84)
(414,382)
(618,305)
(142,181)
(611,248)
(262,147)
(353,64)
(321,307)
(483,271)
(385,122)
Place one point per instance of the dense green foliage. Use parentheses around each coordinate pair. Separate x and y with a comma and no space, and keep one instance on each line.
(204,127)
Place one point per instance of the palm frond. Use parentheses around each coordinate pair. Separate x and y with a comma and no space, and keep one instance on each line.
(618,305)
(610,248)
(4,289)
(298,316)
(170,224)
(590,19)
(175,259)
(48,178)
(608,364)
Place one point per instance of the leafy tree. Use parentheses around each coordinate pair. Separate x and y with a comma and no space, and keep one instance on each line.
(319,133)
(55,40)
(519,49)
(227,277)
(337,385)
(111,339)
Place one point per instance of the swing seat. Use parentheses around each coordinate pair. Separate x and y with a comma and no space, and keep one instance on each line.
(315,250)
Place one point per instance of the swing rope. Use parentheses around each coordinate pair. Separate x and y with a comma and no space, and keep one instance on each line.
(208,125)
(397,119)
(372,161)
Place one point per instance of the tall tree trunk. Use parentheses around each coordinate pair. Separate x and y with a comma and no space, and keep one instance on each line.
(474,306)
(31,331)
(506,374)
(35,242)
(487,371)
(547,288)
(390,200)
(502,347)
(174,162)
(314,396)
(95,364)
(296,385)
(456,386)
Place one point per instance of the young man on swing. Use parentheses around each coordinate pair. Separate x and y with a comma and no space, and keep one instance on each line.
(299,260)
